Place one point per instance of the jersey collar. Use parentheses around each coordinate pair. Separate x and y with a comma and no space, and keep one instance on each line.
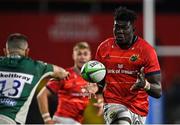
(134,41)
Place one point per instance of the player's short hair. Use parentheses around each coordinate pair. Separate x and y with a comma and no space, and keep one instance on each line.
(81,45)
(124,14)
(17,41)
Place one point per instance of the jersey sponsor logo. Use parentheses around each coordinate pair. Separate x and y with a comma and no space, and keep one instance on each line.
(12,83)
(80,94)
(120,66)
(21,76)
(83,93)
(120,70)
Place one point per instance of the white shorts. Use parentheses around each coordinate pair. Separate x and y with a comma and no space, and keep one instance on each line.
(6,120)
(114,112)
(65,120)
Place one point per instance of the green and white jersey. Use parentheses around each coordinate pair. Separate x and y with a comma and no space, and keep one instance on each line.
(19,78)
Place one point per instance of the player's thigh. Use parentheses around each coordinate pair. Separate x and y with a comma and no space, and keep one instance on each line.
(114,113)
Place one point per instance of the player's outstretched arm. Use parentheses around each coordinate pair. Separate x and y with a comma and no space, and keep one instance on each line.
(60,72)
(152,84)
(100,100)
(42,99)
(153,87)
(99,104)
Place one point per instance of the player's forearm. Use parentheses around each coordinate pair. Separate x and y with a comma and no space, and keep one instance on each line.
(42,99)
(101,86)
(42,102)
(153,86)
(154,90)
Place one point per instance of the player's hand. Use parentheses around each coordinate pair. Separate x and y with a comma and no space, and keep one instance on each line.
(91,89)
(140,83)
(99,104)
(64,75)
(60,73)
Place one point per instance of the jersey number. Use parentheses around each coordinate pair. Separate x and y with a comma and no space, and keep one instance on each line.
(11,88)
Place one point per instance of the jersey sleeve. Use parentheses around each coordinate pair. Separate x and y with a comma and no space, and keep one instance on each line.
(103,49)
(151,62)
(98,54)
(44,69)
(54,85)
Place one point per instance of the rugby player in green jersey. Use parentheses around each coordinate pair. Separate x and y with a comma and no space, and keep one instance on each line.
(19,78)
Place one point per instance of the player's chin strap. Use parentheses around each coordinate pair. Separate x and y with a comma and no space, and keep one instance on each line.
(46,117)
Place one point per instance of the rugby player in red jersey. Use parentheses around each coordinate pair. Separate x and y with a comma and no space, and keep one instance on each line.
(72,94)
(133,72)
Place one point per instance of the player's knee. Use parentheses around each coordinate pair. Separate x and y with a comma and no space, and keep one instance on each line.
(123,120)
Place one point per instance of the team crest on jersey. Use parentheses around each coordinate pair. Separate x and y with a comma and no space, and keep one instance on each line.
(134,58)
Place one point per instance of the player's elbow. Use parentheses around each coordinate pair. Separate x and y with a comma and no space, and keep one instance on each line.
(158,94)
(155,95)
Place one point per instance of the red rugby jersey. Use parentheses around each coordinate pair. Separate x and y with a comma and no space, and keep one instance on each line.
(121,68)
(71,101)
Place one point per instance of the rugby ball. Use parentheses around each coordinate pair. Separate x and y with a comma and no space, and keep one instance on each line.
(93,71)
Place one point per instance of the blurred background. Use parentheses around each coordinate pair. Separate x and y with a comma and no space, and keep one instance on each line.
(54,26)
